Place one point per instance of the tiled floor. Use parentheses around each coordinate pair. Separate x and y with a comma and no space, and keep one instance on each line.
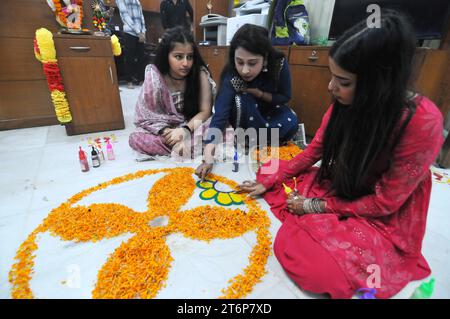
(40,170)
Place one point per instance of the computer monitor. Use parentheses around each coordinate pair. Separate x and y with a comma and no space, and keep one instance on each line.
(430,18)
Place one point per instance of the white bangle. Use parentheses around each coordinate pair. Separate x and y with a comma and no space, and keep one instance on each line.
(312,206)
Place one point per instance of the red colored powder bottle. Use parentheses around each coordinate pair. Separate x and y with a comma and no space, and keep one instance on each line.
(83,161)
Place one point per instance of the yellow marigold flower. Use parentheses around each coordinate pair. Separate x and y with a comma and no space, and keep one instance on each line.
(117,50)
(61,106)
(46,46)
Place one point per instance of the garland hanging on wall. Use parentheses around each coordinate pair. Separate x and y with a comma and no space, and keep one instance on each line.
(45,52)
(116,48)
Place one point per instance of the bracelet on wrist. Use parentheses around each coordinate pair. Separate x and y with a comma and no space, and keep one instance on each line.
(312,206)
(187,127)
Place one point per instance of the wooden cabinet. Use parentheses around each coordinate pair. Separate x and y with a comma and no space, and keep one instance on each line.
(215,57)
(90,81)
(431,76)
(310,78)
(24,95)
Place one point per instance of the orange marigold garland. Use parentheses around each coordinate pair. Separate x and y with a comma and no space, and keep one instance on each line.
(61,17)
(44,50)
(140,266)
(80,7)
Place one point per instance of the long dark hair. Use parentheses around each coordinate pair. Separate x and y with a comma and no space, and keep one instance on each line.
(254,39)
(381,58)
(170,38)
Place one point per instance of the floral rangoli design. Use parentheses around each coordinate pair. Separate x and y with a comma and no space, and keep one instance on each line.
(139,267)
(224,198)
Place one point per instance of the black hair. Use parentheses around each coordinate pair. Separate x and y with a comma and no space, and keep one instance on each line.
(255,39)
(169,39)
(381,59)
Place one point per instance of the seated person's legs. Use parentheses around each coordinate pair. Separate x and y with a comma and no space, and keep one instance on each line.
(147,143)
(308,263)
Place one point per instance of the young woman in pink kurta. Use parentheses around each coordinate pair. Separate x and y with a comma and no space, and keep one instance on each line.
(358,221)
(174,107)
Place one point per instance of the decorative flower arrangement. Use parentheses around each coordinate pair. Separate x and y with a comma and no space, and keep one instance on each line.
(44,50)
(283,152)
(98,18)
(70,15)
(99,21)
(139,267)
(220,197)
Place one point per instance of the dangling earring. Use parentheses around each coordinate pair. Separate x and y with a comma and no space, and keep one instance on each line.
(265,67)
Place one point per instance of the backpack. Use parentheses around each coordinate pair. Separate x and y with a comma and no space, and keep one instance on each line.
(290,23)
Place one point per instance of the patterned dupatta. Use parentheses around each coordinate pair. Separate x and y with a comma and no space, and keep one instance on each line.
(155,108)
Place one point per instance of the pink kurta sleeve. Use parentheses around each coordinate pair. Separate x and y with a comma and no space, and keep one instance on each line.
(416,150)
(298,164)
